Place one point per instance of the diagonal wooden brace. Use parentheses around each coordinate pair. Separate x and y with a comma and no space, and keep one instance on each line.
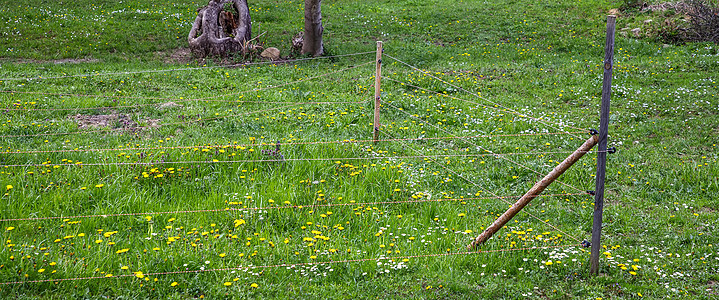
(534,192)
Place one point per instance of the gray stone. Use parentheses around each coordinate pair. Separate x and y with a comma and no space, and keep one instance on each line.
(271,53)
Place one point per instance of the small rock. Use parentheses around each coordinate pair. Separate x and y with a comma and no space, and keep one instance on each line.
(271,53)
(666,46)
(648,21)
(636,32)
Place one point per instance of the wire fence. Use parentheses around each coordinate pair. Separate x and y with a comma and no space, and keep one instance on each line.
(481,188)
(426,73)
(135,129)
(277,207)
(496,155)
(560,129)
(275,62)
(287,265)
(347,141)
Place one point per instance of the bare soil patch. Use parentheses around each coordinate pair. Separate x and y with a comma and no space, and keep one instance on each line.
(179,55)
(58,61)
(103,121)
(113,120)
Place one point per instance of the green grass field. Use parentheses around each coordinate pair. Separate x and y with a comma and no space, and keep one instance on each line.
(130,170)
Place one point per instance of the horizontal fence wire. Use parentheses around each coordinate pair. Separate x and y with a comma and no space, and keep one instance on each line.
(185,122)
(547,123)
(495,195)
(478,96)
(312,206)
(210,98)
(216,161)
(283,144)
(291,265)
(174,100)
(275,62)
(133,129)
(496,155)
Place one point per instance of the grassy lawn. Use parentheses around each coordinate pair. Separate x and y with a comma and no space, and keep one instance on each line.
(129,169)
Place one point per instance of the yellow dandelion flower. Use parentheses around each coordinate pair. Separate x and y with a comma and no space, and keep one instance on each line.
(41,270)
(99,185)
(228,283)
(8,187)
(254,285)
(9,228)
(223,254)
(122,251)
(174,283)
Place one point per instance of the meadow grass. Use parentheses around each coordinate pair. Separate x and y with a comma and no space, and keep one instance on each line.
(182,194)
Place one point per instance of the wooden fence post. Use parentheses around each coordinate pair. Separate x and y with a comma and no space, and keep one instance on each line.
(377,80)
(602,147)
(534,192)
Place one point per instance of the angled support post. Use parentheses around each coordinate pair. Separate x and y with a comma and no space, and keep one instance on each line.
(534,192)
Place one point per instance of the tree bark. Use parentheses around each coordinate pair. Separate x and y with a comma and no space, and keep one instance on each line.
(218,32)
(313,28)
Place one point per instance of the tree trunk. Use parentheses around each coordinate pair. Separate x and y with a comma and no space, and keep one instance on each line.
(218,32)
(312,43)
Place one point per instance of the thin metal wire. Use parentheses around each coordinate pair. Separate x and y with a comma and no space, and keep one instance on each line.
(284,144)
(210,98)
(175,101)
(313,206)
(478,96)
(290,265)
(79,164)
(487,106)
(187,69)
(145,127)
(496,155)
(496,196)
